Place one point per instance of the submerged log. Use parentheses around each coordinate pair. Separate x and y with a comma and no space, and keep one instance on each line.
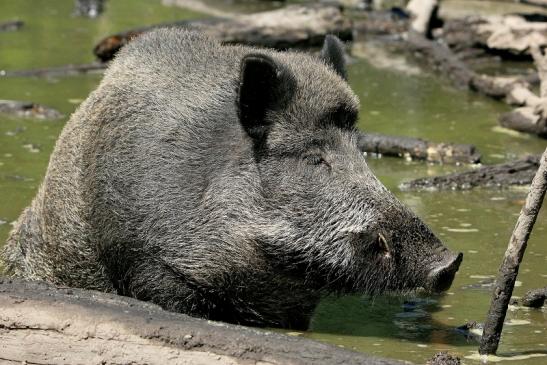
(515,173)
(28,109)
(41,323)
(292,26)
(66,70)
(507,275)
(415,148)
(11,25)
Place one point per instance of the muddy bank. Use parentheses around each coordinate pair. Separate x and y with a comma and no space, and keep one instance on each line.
(66,326)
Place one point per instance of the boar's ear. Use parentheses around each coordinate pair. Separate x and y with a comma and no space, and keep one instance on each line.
(333,54)
(264,85)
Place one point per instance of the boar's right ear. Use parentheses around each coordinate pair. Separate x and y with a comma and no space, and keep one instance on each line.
(264,85)
(333,54)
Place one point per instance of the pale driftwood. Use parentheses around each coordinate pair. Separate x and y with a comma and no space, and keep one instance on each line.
(508,36)
(505,282)
(422,13)
(515,173)
(28,109)
(291,26)
(11,25)
(419,149)
(66,70)
(531,117)
(43,324)
(510,89)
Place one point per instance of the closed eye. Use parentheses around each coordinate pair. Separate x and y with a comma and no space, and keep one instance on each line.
(316,160)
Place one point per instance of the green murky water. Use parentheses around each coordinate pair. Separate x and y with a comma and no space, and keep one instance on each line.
(477,223)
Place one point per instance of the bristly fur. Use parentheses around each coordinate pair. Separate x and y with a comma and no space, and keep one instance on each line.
(157,190)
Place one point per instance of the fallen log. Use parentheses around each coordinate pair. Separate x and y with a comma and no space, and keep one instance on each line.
(41,323)
(508,36)
(28,109)
(291,26)
(532,116)
(66,70)
(11,25)
(419,149)
(507,275)
(524,120)
(515,173)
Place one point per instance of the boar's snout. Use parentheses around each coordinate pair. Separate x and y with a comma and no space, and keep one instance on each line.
(440,278)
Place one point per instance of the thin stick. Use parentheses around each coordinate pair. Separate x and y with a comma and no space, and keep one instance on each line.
(507,275)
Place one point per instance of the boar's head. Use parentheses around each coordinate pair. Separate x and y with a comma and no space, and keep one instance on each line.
(339,228)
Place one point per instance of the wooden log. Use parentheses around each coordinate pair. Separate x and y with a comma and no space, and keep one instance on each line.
(532,116)
(423,13)
(44,324)
(419,149)
(515,173)
(524,120)
(505,281)
(442,59)
(28,109)
(66,70)
(11,25)
(291,26)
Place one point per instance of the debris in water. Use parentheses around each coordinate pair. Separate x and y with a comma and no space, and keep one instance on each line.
(461,230)
(32,148)
(443,358)
(493,358)
(516,322)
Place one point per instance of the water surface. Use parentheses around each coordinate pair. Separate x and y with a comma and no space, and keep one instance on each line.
(477,223)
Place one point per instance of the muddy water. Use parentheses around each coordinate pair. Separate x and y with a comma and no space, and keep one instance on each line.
(478,223)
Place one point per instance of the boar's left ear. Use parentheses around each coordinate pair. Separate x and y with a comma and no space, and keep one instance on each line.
(264,85)
(333,54)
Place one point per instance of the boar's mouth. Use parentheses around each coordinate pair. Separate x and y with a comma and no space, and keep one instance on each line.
(440,278)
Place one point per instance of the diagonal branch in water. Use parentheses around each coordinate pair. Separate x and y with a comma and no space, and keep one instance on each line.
(508,271)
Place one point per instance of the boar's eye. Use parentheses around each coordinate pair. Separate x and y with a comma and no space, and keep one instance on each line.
(316,160)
